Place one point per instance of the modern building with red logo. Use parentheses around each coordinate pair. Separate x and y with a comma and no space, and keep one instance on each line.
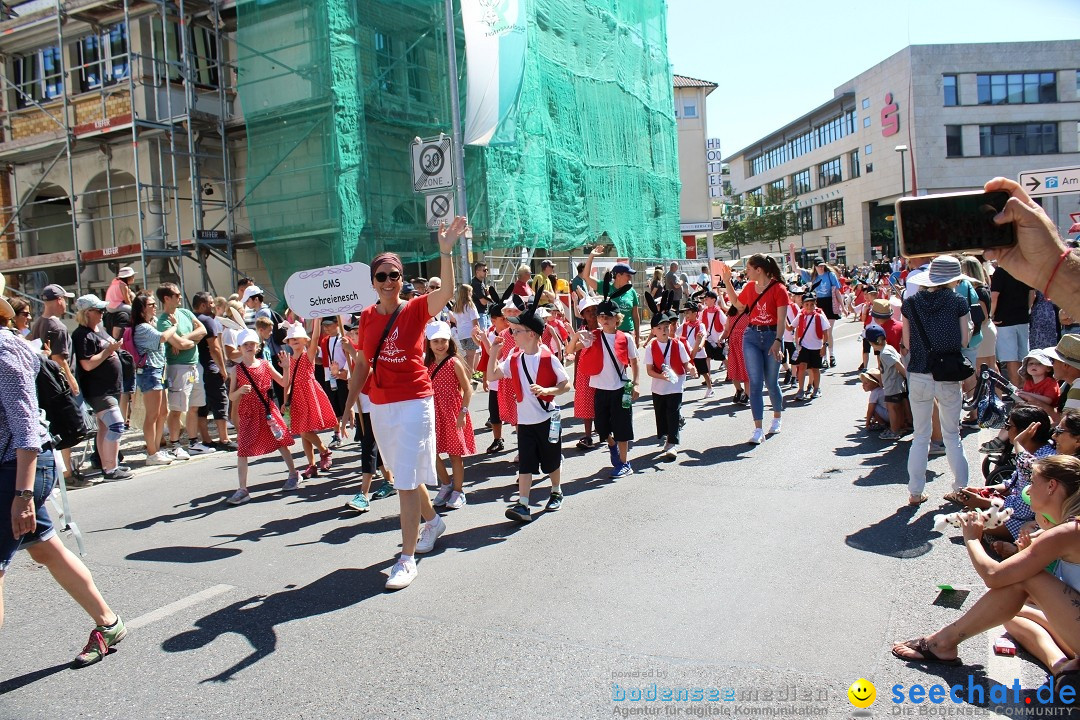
(929,119)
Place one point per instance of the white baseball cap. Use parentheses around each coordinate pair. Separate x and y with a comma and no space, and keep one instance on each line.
(250,291)
(437,331)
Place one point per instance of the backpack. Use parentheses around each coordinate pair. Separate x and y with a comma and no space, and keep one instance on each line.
(128,344)
(69,423)
(278,333)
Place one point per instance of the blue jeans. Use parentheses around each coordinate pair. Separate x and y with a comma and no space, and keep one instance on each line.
(44,480)
(761,366)
(485,321)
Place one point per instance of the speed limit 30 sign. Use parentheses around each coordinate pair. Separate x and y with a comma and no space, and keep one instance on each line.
(432,164)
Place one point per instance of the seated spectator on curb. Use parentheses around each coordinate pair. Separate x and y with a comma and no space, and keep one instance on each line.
(1036,607)
(893,381)
(877,414)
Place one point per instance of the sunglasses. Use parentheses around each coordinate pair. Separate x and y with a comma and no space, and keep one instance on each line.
(24,313)
(1060,431)
(394,275)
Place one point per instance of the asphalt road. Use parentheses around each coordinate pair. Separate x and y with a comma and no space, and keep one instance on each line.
(775,575)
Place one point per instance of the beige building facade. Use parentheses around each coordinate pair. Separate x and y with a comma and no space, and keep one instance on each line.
(695,203)
(929,119)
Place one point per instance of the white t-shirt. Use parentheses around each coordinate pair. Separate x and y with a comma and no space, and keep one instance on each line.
(661,386)
(529,409)
(463,329)
(812,340)
(608,378)
(336,352)
(789,327)
(714,316)
(692,338)
(492,333)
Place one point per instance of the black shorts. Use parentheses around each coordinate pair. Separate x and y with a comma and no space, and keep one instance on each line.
(825,305)
(535,453)
(897,398)
(865,347)
(789,351)
(611,418)
(338,396)
(493,407)
(217,397)
(702,365)
(810,358)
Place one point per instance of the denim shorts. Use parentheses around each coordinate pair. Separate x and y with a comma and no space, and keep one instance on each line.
(1012,342)
(44,481)
(149,379)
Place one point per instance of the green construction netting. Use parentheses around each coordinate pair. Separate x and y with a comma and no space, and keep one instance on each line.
(333,92)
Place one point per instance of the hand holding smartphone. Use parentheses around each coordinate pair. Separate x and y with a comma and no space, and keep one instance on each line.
(952,223)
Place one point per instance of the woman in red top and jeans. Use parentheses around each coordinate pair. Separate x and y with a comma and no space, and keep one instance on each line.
(763,340)
(398,384)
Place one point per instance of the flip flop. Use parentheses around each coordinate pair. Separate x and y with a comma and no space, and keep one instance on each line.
(918,499)
(955,497)
(923,648)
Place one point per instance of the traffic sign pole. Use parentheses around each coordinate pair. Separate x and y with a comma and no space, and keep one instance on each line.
(455,131)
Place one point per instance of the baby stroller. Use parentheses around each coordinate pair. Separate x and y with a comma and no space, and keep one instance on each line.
(992,401)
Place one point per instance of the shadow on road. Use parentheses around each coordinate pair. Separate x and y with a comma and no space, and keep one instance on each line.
(15,683)
(895,536)
(183,554)
(256,617)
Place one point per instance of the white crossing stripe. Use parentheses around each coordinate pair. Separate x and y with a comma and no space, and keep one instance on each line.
(174,607)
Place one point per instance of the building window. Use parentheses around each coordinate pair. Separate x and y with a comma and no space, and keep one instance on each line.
(777,188)
(417,76)
(384,63)
(866,121)
(200,46)
(868,149)
(1018,139)
(1017,88)
(800,182)
(952,92)
(829,173)
(832,213)
(865,103)
(689,109)
(804,220)
(821,135)
(103,59)
(855,172)
(38,77)
(954,141)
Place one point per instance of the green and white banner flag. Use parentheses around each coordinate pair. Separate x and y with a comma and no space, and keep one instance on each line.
(495,43)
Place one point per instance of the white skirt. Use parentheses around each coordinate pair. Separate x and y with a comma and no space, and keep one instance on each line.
(405,434)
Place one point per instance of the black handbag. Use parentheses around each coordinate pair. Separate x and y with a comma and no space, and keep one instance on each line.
(947,366)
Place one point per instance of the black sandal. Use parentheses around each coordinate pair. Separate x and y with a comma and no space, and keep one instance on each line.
(923,648)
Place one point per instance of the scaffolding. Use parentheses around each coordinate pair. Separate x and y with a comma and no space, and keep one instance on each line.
(87,81)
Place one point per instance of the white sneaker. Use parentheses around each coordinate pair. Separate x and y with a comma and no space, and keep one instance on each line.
(200,449)
(178,453)
(457,500)
(443,494)
(159,458)
(758,437)
(775,427)
(429,534)
(709,393)
(401,575)
(670,453)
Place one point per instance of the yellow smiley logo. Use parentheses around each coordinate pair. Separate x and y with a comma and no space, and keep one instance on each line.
(862,693)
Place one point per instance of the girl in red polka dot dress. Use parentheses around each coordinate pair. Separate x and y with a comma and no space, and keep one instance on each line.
(310,411)
(453,426)
(260,429)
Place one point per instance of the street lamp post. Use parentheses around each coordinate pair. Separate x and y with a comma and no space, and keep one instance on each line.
(902,149)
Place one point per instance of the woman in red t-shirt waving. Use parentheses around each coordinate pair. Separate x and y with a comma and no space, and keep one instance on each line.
(398,384)
(764,301)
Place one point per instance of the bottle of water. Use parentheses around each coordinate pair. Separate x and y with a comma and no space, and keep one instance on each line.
(628,394)
(667,372)
(275,428)
(555,428)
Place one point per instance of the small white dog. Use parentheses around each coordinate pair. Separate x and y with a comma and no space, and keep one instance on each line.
(993,517)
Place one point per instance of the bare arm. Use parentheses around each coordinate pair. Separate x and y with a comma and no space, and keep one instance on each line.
(448,237)
(198,331)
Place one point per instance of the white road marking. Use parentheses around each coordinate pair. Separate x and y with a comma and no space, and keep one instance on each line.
(174,607)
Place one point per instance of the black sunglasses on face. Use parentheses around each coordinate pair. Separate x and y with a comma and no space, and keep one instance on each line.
(382,277)
(1059,431)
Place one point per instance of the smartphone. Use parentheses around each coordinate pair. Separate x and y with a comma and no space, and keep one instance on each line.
(952,223)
